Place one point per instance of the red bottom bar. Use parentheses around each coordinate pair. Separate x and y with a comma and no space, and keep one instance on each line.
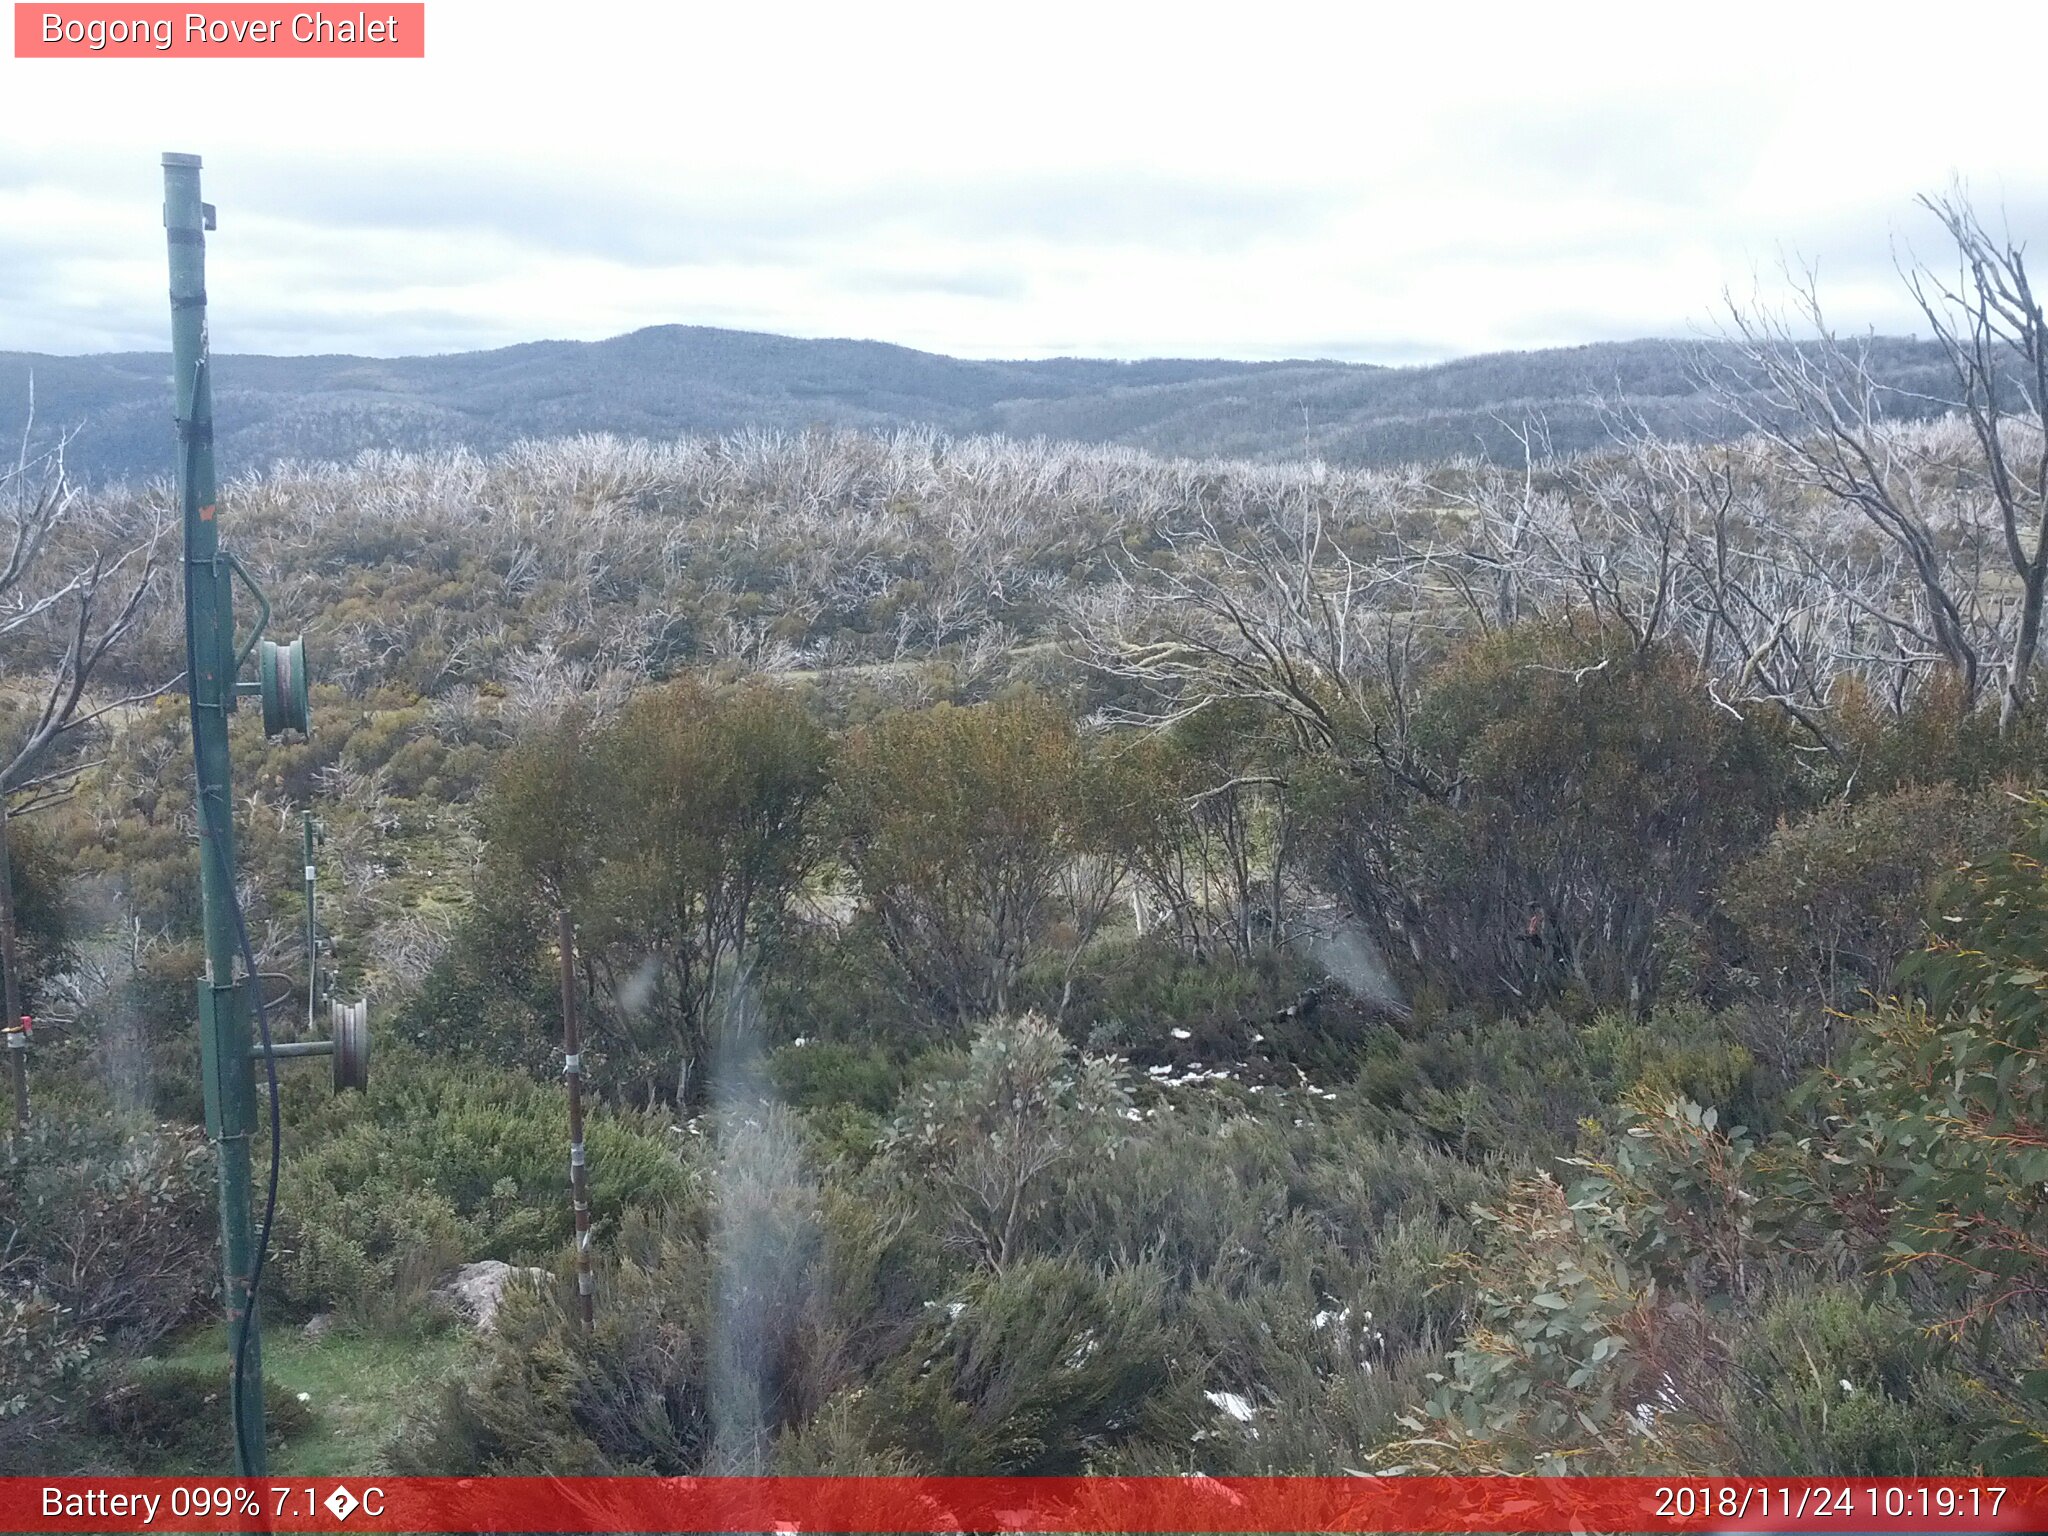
(1052,1504)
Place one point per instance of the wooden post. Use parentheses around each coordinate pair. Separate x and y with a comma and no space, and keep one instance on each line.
(572,1072)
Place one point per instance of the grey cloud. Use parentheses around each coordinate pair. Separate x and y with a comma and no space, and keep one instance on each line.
(280,330)
(1642,151)
(1392,353)
(1862,243)
(640,223)
(963,284)
(1140,211)
(322,237)
(648,223)
(1856,257)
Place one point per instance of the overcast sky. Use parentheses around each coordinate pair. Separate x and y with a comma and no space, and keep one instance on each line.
(1366,181)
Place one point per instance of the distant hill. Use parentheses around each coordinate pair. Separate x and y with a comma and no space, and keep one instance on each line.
(672,380)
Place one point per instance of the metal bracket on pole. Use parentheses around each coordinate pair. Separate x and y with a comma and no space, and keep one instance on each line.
(223,1026)
(262,619)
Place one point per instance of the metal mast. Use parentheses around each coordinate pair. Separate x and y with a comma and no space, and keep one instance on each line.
(225,1035)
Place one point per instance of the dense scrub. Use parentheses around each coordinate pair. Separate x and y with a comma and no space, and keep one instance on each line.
(1039,1023)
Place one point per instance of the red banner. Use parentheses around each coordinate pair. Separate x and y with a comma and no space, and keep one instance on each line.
(224,31)
(1084,1504)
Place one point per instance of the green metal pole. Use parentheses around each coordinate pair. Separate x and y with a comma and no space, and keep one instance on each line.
(312,939)
(225,1035)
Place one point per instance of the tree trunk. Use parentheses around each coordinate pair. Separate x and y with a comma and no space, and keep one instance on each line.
(10,976)
(2029,642)
(572,1073)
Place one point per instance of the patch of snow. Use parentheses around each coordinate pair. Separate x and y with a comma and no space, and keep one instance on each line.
(1233,1405)
(1180,1034)
(1195,1073)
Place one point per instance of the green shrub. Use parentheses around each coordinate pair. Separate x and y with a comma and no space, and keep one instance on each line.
(844,1094)
(1132,991)
(491,995)
(1828,1383)
(1043,1369)
(983,1148)
(719,1329)
(1479,1084)
(174,1418)
(1680,1051)
(441,1163)
(112,1218)
(1560,800)
(822,1073)
(1831,904)
(984,841)
(1928,1161)
(1933,740)
(549,1397)
(43,1350)
(840,983)
(45,926)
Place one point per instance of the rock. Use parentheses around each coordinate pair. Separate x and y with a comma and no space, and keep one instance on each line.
(475,1290)
(318,1326)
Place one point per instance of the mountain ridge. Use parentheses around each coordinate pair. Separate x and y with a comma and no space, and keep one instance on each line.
(667,381)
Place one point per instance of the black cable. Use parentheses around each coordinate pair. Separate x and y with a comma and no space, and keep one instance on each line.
(248,1318)
(239,1368)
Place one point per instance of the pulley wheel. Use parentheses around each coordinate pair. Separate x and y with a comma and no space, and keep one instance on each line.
(282,673)
(351,1022)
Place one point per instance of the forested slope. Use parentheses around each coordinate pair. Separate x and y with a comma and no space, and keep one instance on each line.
(671,380)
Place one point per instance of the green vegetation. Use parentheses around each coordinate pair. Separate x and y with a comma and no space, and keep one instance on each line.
(1088,964)
(332,1402)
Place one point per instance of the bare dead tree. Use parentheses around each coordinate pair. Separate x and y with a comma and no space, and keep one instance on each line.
(71,587)
(1487,566)
(1280,615)
(1990,326)
(1816,399)
(1822,407)
(1692,549)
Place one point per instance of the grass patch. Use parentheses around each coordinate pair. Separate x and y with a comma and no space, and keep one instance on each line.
(358,1387)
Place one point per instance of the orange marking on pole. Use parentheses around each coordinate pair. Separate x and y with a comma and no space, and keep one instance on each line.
(206,514)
